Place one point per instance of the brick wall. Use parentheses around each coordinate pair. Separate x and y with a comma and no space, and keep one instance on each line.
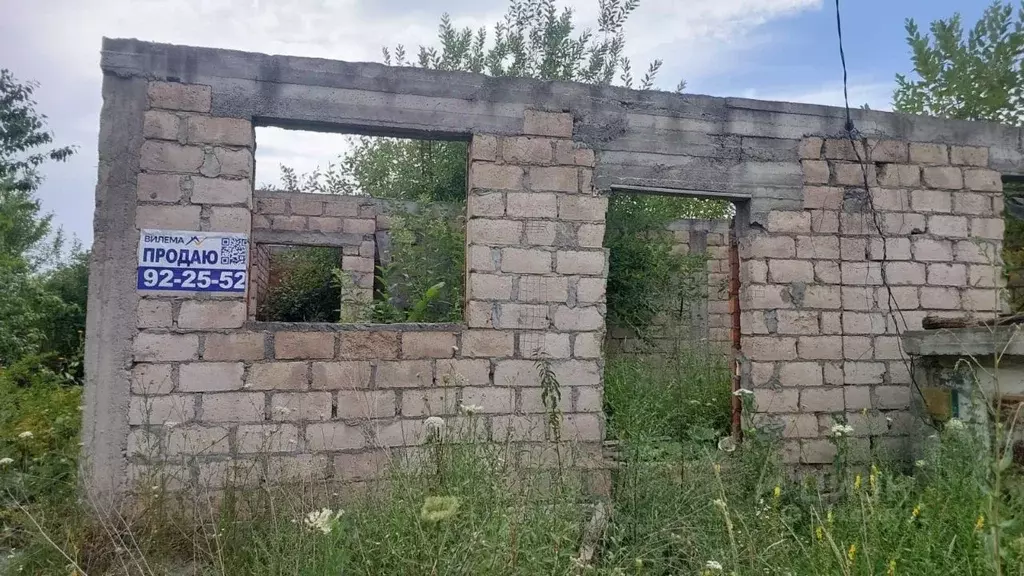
(819,325)
(216,397)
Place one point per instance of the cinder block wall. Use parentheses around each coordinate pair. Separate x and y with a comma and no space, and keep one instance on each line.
(829,273)
(215,398)
(820,290)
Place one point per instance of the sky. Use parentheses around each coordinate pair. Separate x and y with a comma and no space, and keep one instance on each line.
(766,49)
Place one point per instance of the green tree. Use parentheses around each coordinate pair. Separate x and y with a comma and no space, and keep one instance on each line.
(977,76)
(534,40)
(30,305)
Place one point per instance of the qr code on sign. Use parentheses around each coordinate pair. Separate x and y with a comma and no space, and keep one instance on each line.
(233,250)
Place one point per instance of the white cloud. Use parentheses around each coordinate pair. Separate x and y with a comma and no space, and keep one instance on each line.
(57,42)
(877,95)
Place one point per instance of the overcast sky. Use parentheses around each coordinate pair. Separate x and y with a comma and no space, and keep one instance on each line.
(770,49)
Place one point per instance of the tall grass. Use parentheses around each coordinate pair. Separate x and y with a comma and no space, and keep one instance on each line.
(458,507)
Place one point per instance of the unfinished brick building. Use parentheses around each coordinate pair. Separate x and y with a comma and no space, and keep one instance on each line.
(187,382)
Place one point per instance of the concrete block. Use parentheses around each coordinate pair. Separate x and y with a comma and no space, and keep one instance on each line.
(221,191)
(175,96)
(211,314)
(220,131)
(487,343)
(368,344)
(483,147)
(161,156)
(554,124)
(164,217)
(210,376)
(863,372)
(922,153)
(820,347)
(531,204)
(278,376)
(947,274)
(167,188)
(405,374)
(815,171)
(844,149)
(489,205)
(233,407)
(578,319)
(525,150)
(587,345)
(854,174)
(243,346)
(590,262)
(152,379)
(197,440)
(525,261)
(822,198)
(429,402)
(810,147)
(799,374)
(857,347)
(154,314)
(582,208)
(776,401)
(983,180)
(301,407)
(786,271)
(548,288)
(494,232)
(943,177)
(968,156)
(797,322)
(888,151)
(973,204)
(892,397)
(169,410)
(490,400)
(940,298)
(987,228)
(341,375)
(495,176)
(332,436)
(904,273)
(822,400)
(266,438)
(428,344)
(150,347)
(160,125)
(769,348)
(295,345)
(899,176)
(862,273)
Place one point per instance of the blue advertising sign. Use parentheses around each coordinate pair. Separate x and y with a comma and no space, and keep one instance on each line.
(193,261)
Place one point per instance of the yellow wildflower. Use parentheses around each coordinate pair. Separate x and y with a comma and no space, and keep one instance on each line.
(777,493)
(916,513)
(979,524)
(718,468)
(851,554)
(856,482)
(828,517)
(819,532)
(892,568)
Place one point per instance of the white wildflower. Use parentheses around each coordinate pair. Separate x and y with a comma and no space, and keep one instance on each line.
(919,464)
(6,461)
(839,430)
(955,424)
(727,444)
(471,408)
(713,565)
(433,425)
(25,435)
(322,520)
(743,392)
(720,504)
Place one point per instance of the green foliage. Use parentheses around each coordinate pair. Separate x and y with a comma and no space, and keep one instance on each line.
(39,422)
(306,290)
(645,275)
(42,307)
(423,282)
(977,77)
(685,396)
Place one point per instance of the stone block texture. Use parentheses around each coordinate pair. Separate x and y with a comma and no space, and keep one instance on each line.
(845,294)
(190,383)
(210,386)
